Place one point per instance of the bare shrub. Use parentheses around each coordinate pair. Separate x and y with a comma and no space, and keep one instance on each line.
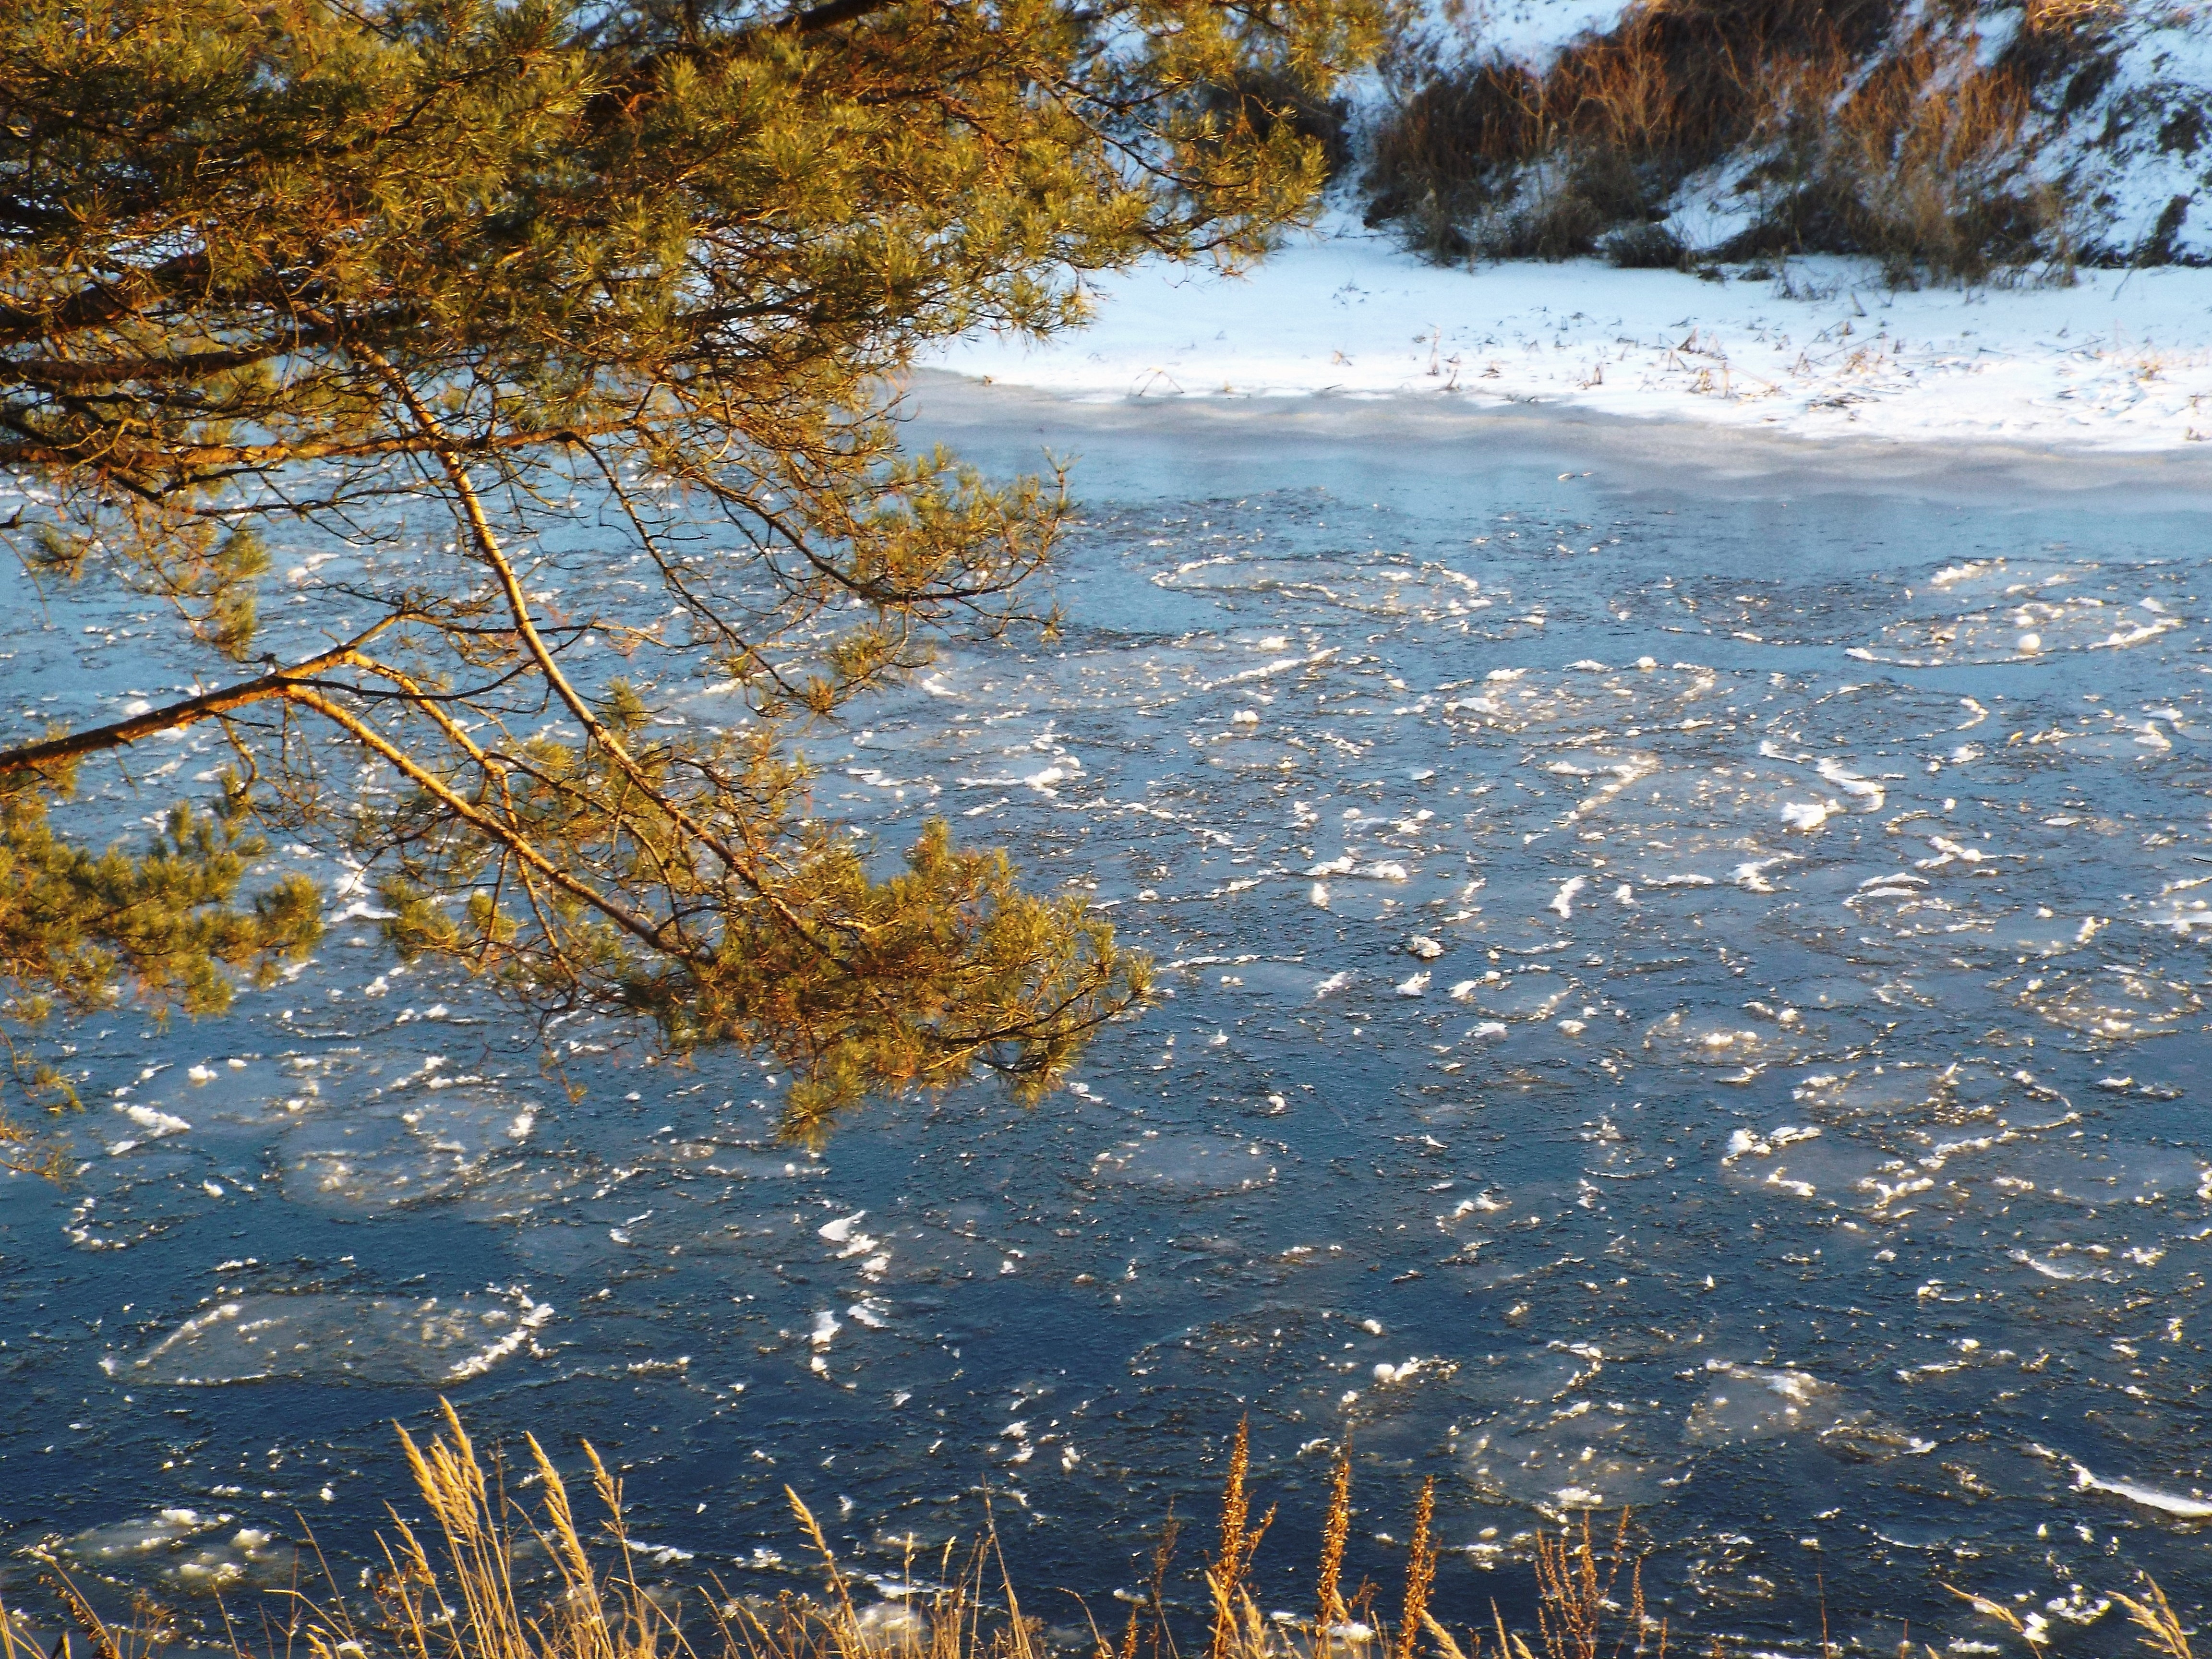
(1925,162)
(1904,147)
(1490,157)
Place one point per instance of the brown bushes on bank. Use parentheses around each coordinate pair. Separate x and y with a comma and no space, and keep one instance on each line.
(1906,149)
(1609,129)
(1924,163)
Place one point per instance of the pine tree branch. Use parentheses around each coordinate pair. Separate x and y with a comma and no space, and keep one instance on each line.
(486,542)
(656,938)
(59,752)
(39,449)
(815,19)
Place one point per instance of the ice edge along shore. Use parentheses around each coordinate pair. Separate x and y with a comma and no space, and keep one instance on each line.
(2117,362)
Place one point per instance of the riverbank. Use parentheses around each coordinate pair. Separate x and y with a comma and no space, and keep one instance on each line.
(2117,362)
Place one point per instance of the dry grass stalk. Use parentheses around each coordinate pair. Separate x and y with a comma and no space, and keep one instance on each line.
(80,1612)
(151,1628)
(2155,1615)
(1420,1571)
(2064,16)
(455,1596)
(1576,1590)
(1447,1644)
(2033,1636)
(1162,1559)
(1237,1619)
(1329,1611)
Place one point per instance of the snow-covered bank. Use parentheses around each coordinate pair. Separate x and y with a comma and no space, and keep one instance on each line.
(2120,362)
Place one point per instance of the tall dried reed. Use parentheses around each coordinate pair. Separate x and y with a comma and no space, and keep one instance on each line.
(452,1591)
(1237,1624)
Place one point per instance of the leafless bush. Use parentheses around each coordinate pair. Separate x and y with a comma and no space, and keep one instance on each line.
(1904,147)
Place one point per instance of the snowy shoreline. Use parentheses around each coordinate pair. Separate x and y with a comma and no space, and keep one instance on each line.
(2117,364)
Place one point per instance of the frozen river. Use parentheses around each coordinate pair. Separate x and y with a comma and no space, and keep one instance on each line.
(1684,988)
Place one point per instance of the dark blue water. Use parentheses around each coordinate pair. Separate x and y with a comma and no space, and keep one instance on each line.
(1683,988)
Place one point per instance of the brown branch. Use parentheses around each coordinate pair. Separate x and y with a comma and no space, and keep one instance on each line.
(487,547)
(98,303)
(39,449)
(209,705)
(654,937)
(121,371)
(815,19)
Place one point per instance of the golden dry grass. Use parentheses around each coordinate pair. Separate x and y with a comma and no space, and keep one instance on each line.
(2065,16)
(1871,134)
(450,1589)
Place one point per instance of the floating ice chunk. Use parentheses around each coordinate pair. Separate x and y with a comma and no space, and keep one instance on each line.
(1388,1373)
(1949,850)
(1317,894)
(534,1319)
(1850,783)
(1624,894)
(1893,878)
(1245,717)
(1804,815)
(2193,1507)
(1464,991)
(212,1188)
(1415,985)
(1423,946)
(1385,872)
(155,1123)
(1334,984)
(2030,644)
(1743,1141)
(1564,900)
(840,1230)
(201,1073)
(1751,877)
(1343,865)
(826,1327)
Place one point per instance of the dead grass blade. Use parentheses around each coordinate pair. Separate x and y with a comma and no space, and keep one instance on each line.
(2155,1614)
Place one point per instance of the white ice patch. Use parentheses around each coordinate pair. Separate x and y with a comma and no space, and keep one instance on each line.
(156,1123)
(2194,1506)
(342,1337)
(1871,796)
